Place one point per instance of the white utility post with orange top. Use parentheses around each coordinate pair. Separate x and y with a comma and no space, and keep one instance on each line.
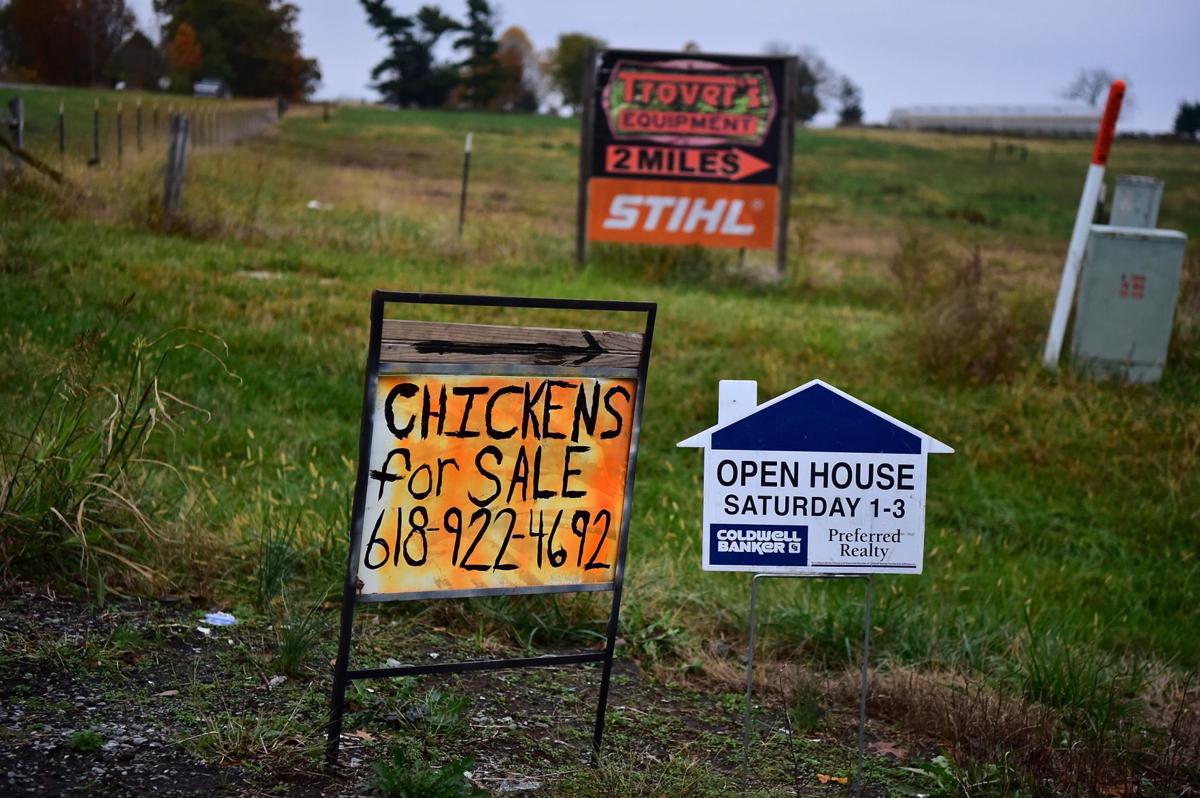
(1083,221)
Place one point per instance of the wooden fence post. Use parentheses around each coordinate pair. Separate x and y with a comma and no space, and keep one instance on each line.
(62,137)
(466,174)
(16,110)
(176,164)
(120,136)
(95,161)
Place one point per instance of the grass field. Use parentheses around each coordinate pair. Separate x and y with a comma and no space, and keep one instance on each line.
(1061,566)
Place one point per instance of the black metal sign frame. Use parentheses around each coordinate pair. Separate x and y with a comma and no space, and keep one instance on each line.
(343,674)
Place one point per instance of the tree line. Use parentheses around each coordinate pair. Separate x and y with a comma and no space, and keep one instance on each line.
(253,46)
(505,72)
(486,71)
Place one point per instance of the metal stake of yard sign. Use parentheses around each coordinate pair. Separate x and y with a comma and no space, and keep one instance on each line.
(862,692)
(462,200)
(350,597)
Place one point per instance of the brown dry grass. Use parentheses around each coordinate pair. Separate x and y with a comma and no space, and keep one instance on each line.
(998,739)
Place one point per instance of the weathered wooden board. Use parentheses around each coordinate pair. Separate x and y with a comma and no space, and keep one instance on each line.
(437,342)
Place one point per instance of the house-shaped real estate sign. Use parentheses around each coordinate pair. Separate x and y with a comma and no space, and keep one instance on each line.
(813,481)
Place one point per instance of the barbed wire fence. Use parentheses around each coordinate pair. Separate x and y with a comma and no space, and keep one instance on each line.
(117,134)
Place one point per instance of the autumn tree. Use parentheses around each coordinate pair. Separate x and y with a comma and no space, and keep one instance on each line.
(521,83)
(185,54)
(481,76)
(567,63)
(252,45)
(409,74)
(66,42)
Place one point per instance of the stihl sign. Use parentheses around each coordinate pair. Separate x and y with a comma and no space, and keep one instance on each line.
(687,149)
(682,213)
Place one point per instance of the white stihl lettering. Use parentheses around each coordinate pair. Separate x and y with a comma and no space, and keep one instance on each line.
(656,205)
(710,216)
(686,214)
(731,227)
(623,212)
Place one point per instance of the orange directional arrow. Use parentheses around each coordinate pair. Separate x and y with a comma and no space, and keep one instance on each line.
(733,165)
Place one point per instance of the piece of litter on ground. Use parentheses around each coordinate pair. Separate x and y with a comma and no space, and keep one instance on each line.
(518,785)
(275,681)
(219,619)
(204,630)
(166,694)
(391,662)
(434,655)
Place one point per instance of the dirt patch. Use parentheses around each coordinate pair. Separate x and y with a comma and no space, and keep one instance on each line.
(144,697)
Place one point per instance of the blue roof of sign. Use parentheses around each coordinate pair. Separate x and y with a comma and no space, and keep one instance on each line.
(816,417)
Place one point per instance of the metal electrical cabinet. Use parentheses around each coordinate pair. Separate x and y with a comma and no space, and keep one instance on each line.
(1136,201)
(1126,303)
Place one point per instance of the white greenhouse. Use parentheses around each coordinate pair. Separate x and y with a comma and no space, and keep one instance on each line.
(1028,120)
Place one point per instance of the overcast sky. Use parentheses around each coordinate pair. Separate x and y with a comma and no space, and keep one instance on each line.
(901,52)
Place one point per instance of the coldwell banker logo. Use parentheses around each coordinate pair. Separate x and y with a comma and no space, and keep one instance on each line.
(758,544)
(691,102)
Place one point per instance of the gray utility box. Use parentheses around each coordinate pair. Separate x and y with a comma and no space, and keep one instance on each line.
(1126,303)
(1136,201)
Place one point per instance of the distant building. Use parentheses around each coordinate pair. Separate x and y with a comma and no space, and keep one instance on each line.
(211,87)
(1027,120)
(137,63)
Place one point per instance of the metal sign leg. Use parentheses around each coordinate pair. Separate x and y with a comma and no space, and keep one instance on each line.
(747,719)
(863,686)
(862,690)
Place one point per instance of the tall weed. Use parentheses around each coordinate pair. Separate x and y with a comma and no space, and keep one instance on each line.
(278,557)
(299,637)
(79,494)
(958,325)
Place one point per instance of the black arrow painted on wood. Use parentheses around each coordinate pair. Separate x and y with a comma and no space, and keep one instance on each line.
(543,353)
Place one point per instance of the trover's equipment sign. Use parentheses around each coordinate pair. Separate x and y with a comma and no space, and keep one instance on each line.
(493,460)
(687,148)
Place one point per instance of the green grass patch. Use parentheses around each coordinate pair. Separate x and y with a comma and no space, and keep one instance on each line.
(1060,537)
